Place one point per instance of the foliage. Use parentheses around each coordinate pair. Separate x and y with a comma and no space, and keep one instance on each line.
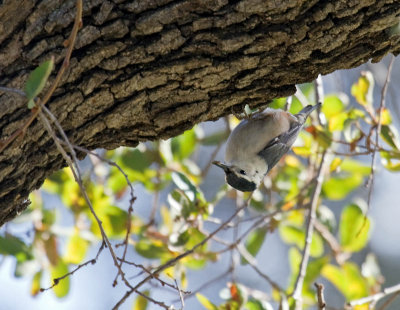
(178,224)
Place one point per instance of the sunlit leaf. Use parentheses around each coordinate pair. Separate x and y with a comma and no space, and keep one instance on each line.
(333,105)
(386,117)
(61,269)
(151,249)
(295,235)
(37,80)
(35,285)
(355,166)
(335,163)
(363,88)
(337,188)
(114,221)
(347,279)
(141,302)
(76,249)
(354,228)
(278,103)
(254,242)
(205,302)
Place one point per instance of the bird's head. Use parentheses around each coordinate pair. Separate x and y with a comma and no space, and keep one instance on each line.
(238,177)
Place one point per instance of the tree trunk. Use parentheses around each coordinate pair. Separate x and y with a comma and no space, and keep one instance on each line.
(149,69)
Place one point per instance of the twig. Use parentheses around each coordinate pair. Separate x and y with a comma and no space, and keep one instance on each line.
(91,261)
(389,301)
(374,298)
(181,256)
(37,109)
(370,182)
(207,284)
(253,264)
(297,292)
(12,90)
(319,97)
(320,296)
(288,103)
(180,294)
(72,163)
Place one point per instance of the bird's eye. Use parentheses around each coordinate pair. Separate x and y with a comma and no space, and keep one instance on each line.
(242,172)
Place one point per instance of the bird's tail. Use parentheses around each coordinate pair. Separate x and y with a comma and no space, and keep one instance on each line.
(305,112)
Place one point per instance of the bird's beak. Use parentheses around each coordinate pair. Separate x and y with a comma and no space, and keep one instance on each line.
(221,165)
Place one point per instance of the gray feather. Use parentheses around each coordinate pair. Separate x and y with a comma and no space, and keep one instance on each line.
(279,146)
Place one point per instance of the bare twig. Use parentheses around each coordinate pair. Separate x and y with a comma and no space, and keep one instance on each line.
(12,90)
(320,296)
(35,112)
(91,261)
(389,301)
(180,295)
(297,292)
(376,297)
(319,97)
(181,256)
(370,182)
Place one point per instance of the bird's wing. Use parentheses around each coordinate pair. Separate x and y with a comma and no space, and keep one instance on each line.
(279,146)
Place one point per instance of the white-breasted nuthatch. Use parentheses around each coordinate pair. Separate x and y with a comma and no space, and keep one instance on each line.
(258,143)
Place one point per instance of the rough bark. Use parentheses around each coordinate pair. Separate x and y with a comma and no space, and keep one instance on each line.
(145,70)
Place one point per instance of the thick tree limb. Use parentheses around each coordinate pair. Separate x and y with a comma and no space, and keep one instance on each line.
(145,70)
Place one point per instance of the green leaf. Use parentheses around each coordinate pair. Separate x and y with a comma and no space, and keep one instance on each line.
(205,302)
(354,228)
(294,235)
(354,166)
(10,245)
(254,242)
(183,145)
(76,249)
(390,161)
(151,249)
(391,136)
(135,159)
(61,269)
(37,80)
(347,279)
(35,286)
(363,88)
(333,105)
(337,188)
(141,302)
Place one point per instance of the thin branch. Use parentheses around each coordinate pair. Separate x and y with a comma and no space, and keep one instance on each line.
(12,90)
(376,297)
(208,283)
(181,256)
(297,292)
(320,296)
(253,264)
(389,301)
(35,112)
(180,295)
(370,182)
(91,261)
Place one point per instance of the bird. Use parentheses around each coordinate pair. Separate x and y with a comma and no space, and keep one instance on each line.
(256,145)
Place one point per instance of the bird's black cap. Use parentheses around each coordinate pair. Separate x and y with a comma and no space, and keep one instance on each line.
(237,182)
